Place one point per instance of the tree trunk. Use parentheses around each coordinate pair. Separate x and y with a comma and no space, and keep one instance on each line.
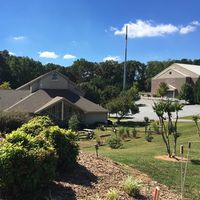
(175,144)
(164,136)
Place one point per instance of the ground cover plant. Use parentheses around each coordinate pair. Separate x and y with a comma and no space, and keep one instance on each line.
(140,154)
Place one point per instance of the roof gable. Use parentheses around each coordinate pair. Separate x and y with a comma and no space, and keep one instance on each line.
(184,70)
(51,80)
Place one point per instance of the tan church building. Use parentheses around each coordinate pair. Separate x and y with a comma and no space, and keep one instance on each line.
(175,76)
(55,95)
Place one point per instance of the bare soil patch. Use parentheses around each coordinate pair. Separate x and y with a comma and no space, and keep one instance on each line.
(95,176)
(172,159)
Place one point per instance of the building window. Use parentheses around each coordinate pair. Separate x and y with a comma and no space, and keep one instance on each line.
(170,72)
(54,77)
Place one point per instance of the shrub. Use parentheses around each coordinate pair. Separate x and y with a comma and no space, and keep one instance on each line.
(66,149)
(155,127)
(131,186)
(10,121)
(36,125)
(29,158)
(74,123)
(23,170)
(134,133)
(149,138)
(121,132)
(115,142)
(127,131)
(112,194)
(101,127)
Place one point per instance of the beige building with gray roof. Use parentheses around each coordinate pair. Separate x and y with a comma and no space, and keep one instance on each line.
(55,95)
(175,76)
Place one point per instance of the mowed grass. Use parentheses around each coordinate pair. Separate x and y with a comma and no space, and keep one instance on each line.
(140,154)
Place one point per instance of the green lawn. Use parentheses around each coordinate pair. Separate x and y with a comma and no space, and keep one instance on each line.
(187,117)
(140,154)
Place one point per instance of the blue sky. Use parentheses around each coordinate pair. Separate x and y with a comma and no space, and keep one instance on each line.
(61,31)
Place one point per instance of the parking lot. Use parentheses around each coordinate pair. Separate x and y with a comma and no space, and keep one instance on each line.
(146,110)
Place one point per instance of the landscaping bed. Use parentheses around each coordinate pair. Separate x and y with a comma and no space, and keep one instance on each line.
(95,176)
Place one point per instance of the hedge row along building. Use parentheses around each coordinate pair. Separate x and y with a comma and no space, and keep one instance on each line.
(55,95)
(175,76)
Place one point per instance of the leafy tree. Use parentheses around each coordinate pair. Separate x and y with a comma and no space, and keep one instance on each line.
(187,93)
(197,91)
(91,92)
(169,128)
(4,66)
(162,90)
(123,104)
(74,123)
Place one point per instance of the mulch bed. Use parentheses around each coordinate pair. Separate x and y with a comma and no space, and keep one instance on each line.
(94,176)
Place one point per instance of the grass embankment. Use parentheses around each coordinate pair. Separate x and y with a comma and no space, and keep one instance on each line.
(140,154)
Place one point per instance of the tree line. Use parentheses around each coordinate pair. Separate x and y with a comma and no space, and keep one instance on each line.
(101,81)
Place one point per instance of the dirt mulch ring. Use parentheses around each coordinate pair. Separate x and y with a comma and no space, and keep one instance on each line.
(172,159)
(94,176)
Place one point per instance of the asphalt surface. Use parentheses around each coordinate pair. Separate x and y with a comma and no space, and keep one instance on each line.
(146,110)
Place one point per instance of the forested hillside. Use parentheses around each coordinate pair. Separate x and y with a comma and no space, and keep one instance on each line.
(101,81)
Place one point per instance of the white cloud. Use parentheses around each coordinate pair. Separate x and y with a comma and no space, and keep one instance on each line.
(114,58)
(69,56)
(19,38)
(197,23)
(48,54)
(11,53)
(148,28)
(187,29)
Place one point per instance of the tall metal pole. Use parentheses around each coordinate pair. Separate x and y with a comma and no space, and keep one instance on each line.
(126,39)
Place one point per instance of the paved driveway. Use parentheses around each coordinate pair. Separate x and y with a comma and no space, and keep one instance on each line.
(147,111)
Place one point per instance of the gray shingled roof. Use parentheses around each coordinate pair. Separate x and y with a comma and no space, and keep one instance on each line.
(42,99)
(10,97)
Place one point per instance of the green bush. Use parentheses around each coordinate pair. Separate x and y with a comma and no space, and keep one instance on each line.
(134,133)
(114,142)
(29,158)
(127,131)
(23,170)
(10,121)
(36,125)
(131,186)
(74,123)
(112,194)
(66,149)
(155,127)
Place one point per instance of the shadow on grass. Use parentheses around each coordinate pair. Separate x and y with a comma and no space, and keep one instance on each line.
(131,124)
(195,162)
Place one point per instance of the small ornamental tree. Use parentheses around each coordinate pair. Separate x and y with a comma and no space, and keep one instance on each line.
(74,123)
(196,118)
(162,90)
(187,93)
(124,103)
(168,128)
